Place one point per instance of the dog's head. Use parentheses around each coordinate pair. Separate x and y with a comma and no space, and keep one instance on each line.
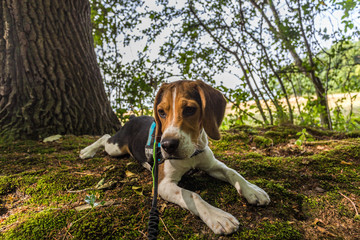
(183,111)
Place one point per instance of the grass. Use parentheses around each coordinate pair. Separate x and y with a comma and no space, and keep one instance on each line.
(340,106)
(313,189)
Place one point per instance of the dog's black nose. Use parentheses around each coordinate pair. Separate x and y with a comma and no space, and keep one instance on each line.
(170,145)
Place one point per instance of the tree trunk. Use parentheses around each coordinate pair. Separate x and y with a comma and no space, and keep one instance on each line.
(50,82)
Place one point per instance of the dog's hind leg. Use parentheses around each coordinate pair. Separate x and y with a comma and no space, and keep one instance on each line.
(91,150)
(115,148)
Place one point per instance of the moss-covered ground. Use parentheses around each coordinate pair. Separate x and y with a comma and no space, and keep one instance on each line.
(314,189)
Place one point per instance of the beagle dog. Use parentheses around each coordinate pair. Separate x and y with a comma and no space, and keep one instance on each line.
(186,113)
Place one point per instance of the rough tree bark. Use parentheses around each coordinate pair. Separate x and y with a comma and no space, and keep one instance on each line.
(50,82)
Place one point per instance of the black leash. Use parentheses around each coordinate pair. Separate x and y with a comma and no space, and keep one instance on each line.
(154,152)
(153,225)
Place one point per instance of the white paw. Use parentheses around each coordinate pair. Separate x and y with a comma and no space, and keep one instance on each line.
(221,222)
(87,152)
(255,195)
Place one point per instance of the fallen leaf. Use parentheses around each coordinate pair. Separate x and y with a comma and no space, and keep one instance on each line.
(100,183)
(321,229)
(87,206)
(109,168)
(319,189)
(137,190)
(130,174)
(162,207)
(316,221)
(52,138)
(108,185)
(346,163)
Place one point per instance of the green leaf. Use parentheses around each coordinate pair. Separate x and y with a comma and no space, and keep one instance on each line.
(302,138)
(90,199)
(298,142)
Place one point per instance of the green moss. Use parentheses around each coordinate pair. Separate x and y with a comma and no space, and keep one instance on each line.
(253,155)
(262,142)
(353,134)
(319,132)
(254,168)
(350,153)
(109,224)
(6,185)
(338,167)
(43,225)
(245,128)
(227,195)
(272,230)
(100,223)
(52,188)
(9,184)
(174,216)
(239,135)
(43,172)
(276,136)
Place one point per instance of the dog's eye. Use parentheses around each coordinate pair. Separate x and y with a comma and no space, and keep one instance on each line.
(162,113)
(189,111)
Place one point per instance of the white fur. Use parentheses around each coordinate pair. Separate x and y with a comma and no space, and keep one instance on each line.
(203,141)
(186,147)
(173,107)
(217,220)
(111,149)
(91,150)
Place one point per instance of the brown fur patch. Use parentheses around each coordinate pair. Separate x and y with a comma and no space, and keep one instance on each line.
(209,103)
(161,173)
(125,149)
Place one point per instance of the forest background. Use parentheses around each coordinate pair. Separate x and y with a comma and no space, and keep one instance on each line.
(276,61)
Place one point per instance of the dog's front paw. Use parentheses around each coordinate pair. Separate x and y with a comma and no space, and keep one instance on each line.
(255,195)
(220,222)
(87,152)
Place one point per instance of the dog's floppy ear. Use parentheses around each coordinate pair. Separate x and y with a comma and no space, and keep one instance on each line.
(158,99)
(213,109)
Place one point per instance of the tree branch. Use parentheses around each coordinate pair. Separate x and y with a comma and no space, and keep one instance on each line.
(235,54)
(192,10)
